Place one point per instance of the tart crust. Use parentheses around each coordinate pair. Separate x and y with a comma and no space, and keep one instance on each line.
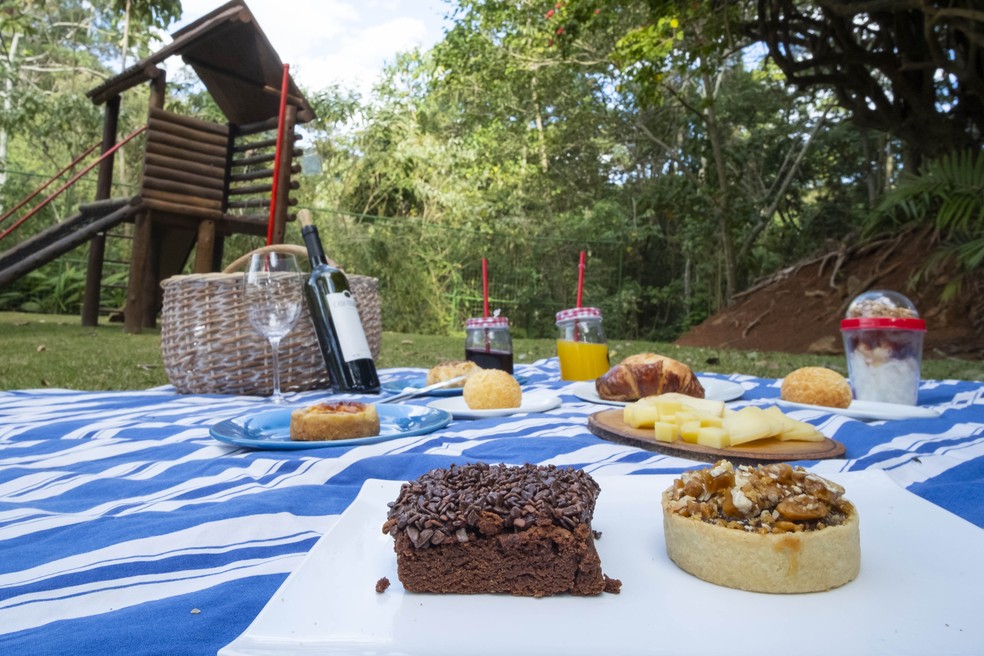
(789,562)
(818,554)
(337,420)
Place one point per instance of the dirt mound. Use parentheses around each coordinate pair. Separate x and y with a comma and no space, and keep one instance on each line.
(798,310)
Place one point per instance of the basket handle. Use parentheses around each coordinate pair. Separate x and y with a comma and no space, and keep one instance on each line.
(293,249)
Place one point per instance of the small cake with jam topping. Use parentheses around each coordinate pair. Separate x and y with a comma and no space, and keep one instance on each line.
(482,528)
(768,528)
(334,420)
(452,369)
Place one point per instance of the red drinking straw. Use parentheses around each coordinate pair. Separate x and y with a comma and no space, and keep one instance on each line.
(580,279)
(485,284)
(276,157)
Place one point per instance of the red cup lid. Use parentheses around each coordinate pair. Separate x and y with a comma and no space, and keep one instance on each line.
(883,323)
(487,322)
(579,313)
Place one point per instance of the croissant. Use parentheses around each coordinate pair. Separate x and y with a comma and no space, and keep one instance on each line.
(646,374)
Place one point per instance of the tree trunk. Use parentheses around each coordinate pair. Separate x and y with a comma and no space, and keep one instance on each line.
(722,204)
(541,139)
(8,90)
(125,43)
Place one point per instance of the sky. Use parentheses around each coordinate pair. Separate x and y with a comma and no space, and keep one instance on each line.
(338,41)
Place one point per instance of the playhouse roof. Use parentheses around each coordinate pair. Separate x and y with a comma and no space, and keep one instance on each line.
(233,59)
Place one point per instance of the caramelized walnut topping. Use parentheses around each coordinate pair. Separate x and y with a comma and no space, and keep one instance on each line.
(775,498)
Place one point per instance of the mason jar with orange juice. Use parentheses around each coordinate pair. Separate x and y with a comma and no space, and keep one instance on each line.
(581,346)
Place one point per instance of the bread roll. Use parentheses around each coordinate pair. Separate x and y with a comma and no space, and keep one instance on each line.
(647,374)
(452,369)
(817,386)
(337,420)
(492,389)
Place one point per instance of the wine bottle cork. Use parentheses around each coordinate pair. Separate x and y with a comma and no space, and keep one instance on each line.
(304,216)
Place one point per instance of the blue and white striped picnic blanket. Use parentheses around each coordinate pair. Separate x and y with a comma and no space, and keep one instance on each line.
(126,529)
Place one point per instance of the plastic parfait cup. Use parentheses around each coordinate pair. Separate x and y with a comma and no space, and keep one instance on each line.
(581,345)
(883,341)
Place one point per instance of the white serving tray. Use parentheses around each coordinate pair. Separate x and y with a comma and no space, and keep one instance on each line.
(920,591)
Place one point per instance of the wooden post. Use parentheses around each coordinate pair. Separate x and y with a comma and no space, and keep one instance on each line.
(139,260)
(152,292)
(218,251)
(144,269)
(97,246)
(205,248)
(283,176)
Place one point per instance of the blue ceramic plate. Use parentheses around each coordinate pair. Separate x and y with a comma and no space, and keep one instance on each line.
(416,381)
(271,429)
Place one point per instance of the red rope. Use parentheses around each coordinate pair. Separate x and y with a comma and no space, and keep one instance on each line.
(42,204)
(274,188)
(37,191)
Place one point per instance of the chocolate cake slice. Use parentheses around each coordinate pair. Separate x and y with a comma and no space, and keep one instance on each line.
(498,529)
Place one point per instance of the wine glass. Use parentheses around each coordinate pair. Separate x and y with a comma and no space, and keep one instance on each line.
(272,292)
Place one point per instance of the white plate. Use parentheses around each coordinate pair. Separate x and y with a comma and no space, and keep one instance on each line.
(459,409)
(919,592)
(714,389)
(870,410)
(414,381)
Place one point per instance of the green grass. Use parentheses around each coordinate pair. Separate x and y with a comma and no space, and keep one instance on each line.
(56,351)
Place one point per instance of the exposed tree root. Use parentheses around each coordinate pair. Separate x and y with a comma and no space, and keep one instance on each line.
(756,320)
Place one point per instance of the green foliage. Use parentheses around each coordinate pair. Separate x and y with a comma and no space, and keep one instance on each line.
(650,135)
(947,193)
(51,53)
(638,135)
(57,288)
(149,13)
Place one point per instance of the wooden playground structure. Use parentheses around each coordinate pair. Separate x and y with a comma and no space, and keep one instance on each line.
(201,181)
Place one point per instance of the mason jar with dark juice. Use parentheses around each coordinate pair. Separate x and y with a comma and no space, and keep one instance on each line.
(488,343)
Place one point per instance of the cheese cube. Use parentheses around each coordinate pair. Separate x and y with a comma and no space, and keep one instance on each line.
(689,430)
(665,431)
(713,436)
(640,415)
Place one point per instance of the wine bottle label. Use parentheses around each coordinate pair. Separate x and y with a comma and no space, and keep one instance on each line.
(348,326)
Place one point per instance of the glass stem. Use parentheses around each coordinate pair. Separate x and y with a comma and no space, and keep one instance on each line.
(275,346)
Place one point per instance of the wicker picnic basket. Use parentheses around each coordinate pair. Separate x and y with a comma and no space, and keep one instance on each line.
(210,347)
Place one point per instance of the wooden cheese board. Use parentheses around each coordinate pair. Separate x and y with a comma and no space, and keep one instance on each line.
(608,425)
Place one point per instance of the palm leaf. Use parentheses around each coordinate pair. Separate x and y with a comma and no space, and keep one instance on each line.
(948,193)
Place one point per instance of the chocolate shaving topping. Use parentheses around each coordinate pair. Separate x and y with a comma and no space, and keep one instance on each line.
(464,501)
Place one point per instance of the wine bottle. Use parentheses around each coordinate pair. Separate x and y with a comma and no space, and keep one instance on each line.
(336,320)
